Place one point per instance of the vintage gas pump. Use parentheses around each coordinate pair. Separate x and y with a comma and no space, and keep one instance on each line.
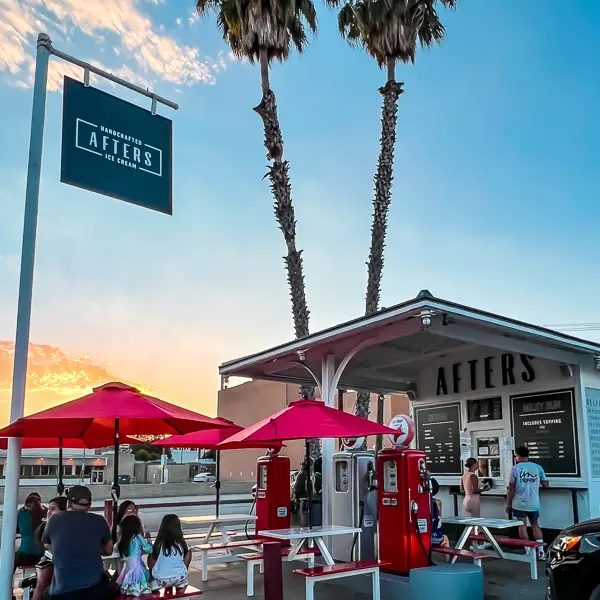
(354,502)
(272,492)
(404,502)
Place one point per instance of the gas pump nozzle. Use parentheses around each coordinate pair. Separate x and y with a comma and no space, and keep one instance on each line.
(371,478)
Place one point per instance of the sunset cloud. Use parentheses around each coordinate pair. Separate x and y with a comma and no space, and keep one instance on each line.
(55,375)
(148,52)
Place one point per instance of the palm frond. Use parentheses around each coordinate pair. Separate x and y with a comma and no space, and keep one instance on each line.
(391,29)
(276,26)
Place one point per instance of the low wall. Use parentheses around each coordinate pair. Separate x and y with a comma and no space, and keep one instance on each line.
(144,490)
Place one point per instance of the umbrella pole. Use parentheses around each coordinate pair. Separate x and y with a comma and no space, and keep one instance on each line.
(218,482)
(60,486)
(309,486)
(116,488)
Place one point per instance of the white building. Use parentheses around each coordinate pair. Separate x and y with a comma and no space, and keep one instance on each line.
(40,466)
(480,384)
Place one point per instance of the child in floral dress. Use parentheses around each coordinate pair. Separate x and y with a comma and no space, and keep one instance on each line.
(134,578)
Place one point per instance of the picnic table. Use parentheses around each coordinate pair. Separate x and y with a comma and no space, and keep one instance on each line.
(218,524)
(483,524)
(310,536)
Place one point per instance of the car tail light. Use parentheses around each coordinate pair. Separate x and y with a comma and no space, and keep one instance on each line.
(567,543)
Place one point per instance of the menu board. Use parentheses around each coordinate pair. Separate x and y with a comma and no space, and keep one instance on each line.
(545,423)
(484,409)
(438,435)
(592,401)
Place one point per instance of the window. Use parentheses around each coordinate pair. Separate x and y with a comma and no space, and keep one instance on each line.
(67,469)
(78,470)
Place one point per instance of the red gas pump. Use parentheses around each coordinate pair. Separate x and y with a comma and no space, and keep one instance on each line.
(272,492)
(404,506)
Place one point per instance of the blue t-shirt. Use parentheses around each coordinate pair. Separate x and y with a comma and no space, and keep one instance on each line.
(526,477)
(76,538)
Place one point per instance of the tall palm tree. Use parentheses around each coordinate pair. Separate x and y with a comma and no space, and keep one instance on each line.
(389,30)
(263,31)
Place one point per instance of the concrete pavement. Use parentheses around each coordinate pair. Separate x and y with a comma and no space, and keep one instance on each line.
(504,580)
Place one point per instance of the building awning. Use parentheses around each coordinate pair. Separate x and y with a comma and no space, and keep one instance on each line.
(396,343)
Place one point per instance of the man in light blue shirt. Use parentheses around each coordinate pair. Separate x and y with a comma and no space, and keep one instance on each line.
(523,498)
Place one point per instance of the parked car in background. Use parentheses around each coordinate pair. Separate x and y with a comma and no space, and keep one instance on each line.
(124,479)
(573,565)
(293,477)
(205,478)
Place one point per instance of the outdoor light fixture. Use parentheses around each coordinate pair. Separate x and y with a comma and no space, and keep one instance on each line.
(426,318)
(302,355)
(597,362)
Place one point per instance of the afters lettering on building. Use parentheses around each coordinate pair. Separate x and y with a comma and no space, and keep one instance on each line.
(487,373)
(118,147)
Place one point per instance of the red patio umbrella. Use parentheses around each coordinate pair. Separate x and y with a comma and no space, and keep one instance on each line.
(208,440)
(305,419)
(115,407)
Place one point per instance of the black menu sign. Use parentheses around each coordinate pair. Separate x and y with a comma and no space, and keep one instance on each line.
(484,409)
(545,423)
(438,435)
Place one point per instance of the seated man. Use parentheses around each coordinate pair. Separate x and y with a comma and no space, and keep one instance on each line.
(78,539)
(437,536)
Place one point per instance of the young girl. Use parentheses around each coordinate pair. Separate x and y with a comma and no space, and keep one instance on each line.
(170,556)
(126,508)
(134,578)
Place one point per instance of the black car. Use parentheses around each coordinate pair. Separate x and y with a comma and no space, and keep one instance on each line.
(573,566)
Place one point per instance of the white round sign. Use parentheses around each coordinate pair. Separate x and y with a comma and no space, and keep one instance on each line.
(353,443)
(405,427)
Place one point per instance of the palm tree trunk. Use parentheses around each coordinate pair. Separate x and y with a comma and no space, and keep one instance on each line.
(381,203)
(278,174)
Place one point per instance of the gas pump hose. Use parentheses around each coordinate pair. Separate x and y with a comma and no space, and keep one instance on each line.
(360,524)
(250,513)
(427,554)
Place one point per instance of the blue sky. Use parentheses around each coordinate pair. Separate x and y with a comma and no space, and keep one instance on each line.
(495,200)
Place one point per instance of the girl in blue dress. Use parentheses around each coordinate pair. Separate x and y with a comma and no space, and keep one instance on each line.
(134,578)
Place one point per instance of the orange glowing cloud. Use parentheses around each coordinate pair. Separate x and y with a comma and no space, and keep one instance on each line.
(53,376)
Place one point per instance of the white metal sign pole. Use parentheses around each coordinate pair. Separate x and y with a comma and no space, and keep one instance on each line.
(38,113)
(13,460)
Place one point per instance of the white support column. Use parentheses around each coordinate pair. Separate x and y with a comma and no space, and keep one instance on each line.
(328,446)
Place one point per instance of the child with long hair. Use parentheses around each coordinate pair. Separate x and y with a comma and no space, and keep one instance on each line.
(171,556)
(134,578)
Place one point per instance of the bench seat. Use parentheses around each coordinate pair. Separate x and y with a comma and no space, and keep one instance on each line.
(284,552)
(206,548)
(509,542)
(256,558)
(189,592)
(339,570)
(225,546)
(473,555)
(195,536)
(530,556)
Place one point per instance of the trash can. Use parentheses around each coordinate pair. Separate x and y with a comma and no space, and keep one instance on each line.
(316,515)
(460,581)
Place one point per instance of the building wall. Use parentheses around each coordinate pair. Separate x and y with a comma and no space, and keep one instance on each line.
(556,503)
(253,401)
(126,465)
